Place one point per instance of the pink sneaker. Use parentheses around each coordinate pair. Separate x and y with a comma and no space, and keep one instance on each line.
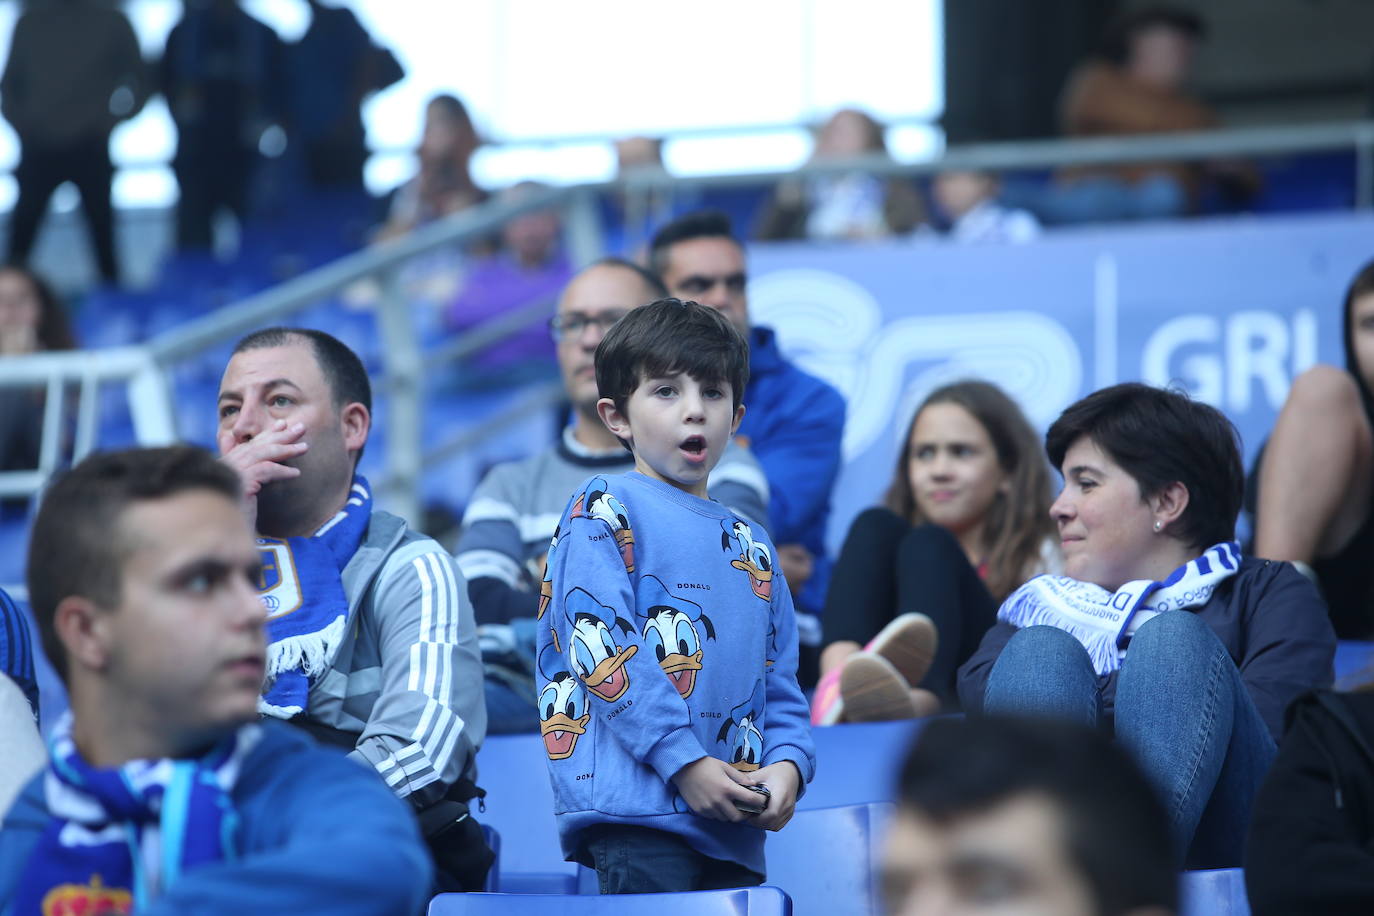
(908,642)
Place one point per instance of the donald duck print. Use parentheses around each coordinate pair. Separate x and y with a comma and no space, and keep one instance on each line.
(593,652)
(596,502)
(748,555)
(673,631)
(562,703)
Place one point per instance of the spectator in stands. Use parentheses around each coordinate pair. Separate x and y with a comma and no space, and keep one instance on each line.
(379,655)
(1137,85)
(529,268)
(1160,628)
(333,69)
(968,202)
(1000,815)
(222,73)
(443,184)
(918,580)
(23,747)
(1311,843)
(795,421)
(74,72)
(32,320)
(512,515)
(854,205)
(1316,474)
(165,795)
(684,719)
(16,652)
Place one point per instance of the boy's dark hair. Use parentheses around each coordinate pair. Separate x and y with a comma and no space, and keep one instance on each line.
(700,224)
(75,548)
(667,337)
(1116,830)
(343,370)
(651,280)
(1115,45)
(1160,436)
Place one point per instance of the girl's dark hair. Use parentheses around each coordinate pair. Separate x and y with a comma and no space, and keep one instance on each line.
(1018,522)
(54,328)
(1159,437)
(1361,286)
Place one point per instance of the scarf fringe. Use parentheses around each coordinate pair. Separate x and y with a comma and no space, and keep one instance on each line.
(1026,608)
(309,653)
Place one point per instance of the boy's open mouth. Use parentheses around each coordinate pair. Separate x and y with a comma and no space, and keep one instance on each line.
(694,445)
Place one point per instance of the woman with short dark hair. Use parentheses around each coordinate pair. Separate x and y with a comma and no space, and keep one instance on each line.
(1160,629)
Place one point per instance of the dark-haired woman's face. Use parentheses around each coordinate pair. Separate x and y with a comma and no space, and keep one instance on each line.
(1362,336)
(21,311)
(1106,531)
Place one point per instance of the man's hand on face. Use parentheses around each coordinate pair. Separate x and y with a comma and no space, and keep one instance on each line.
(258,460)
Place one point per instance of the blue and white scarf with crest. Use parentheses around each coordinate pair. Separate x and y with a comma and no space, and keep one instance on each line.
(120,837)
(1104,622)
(307,609)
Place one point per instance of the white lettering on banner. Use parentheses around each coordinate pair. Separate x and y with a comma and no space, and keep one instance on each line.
(833,328)
(1227,360)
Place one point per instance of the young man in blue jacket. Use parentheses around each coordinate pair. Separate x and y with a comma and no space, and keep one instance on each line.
(164,795)
(670,710)
(795,422)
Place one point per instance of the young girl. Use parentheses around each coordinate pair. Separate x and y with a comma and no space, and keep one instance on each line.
(965,521)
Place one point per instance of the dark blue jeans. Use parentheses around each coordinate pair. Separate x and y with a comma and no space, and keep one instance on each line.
(641,860)
(1181,709)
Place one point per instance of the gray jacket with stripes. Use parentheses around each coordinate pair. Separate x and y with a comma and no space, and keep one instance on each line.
(407,678)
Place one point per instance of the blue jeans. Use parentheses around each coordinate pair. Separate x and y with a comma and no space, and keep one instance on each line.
(1181,709)
(641,860)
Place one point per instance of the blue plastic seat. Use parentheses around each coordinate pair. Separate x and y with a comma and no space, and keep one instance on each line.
(519,803)
(857,763)
(1354,663)
(1219,892)
(744,901)
(826,859)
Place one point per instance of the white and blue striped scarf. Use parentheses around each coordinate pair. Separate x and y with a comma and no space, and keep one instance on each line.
(307,609)
(1104,622)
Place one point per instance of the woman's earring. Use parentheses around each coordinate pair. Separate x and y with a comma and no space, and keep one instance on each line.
(1159,526)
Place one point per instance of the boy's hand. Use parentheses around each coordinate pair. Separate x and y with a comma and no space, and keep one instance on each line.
(711,787)
(782,779)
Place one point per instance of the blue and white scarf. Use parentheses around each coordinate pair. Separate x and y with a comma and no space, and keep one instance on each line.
(307,609)
(120,837)
(1104,622)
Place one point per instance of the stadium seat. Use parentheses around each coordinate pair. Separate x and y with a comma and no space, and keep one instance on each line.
(519,803)
(826,859)
(744,901)
(858,763)
(1354,663)
(1220,892)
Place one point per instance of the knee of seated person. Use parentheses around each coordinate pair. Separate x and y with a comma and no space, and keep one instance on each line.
(1043,640)
(1325,388)
(932,539)
(1168,631)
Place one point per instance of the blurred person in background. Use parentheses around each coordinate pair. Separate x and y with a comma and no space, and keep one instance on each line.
(1138,84)
(968,202)
(223,75)
(1314,478)
(32,320)
(74,72)
(1028,817)
(443,183)
(854,205)
(333,69)
(529,267)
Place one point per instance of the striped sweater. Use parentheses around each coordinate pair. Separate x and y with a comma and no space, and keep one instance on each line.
(407,678)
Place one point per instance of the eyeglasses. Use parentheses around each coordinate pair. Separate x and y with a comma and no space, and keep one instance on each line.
(572,325)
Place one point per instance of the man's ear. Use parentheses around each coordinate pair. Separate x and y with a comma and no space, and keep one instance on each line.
(1169,503)
(615,419)
(356,421)
(84,630)
(739,415)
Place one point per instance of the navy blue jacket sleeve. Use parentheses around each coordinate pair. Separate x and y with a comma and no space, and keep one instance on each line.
(973,676)
(16,649)
(801,459)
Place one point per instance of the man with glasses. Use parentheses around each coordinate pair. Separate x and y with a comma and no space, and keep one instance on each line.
(515,509)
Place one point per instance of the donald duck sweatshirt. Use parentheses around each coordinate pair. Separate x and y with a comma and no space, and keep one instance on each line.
(666,635)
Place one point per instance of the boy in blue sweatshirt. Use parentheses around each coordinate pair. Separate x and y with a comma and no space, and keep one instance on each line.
(164,795)
(669,649)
